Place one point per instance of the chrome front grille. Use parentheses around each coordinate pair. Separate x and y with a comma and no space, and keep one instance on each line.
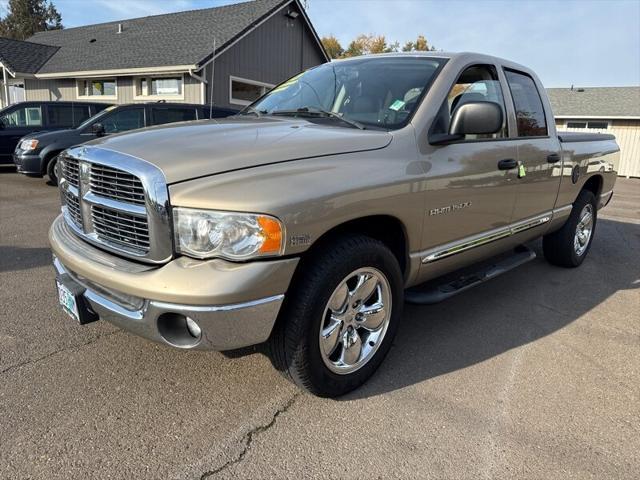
(121,228)
(116,184)
(117,202)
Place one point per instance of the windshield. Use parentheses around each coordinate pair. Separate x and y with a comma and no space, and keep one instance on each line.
(96,117)
(375,92)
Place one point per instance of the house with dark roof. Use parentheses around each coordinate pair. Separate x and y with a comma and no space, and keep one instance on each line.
(227,55)
(614,110)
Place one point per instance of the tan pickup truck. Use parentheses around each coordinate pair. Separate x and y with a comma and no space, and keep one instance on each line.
(307,220)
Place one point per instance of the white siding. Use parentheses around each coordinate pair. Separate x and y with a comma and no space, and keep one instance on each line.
(629,141)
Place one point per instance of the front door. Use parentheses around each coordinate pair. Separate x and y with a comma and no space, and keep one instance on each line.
(15,123)
(466,193)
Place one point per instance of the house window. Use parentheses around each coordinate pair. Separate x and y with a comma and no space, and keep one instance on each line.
(595,124)
(103,87)
(159,87)
(244,92)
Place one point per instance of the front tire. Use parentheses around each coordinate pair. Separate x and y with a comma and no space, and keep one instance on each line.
(52,171)
(340,316)
(568,247)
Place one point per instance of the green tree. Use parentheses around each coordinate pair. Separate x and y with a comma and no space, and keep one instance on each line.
(27,17)
(420,45)
(332,46)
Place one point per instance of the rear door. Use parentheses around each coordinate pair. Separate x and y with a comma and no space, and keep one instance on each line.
(66,115)
(539,151)
(15,123)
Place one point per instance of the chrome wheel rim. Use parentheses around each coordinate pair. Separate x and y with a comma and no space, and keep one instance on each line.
(355,320)
(583,230)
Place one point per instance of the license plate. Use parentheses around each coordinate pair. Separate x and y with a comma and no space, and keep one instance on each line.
(68,301)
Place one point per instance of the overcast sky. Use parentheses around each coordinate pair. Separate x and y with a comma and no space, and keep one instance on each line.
(586,43)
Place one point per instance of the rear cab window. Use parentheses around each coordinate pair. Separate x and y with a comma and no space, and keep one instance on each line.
(530,117)
(27,116)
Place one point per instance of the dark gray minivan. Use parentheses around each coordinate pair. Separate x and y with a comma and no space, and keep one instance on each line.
(24,118)
(36,154)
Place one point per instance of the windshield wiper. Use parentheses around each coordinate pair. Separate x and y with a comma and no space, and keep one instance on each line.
(249,110)
(321,113)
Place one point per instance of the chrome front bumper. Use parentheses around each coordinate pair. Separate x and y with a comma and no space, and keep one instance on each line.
(234,305)
(222,327)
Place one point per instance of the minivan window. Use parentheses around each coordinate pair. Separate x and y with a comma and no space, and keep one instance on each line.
(28,116)
(162,115)
(67,115)
(380,92)
(123,120)
(528,104)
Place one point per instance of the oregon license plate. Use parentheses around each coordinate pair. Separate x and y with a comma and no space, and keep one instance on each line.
(68,301)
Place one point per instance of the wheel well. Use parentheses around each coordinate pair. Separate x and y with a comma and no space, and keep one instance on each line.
(594,185)
(387,229)
(47,159)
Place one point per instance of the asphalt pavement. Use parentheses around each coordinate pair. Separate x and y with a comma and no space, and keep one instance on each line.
(535,374)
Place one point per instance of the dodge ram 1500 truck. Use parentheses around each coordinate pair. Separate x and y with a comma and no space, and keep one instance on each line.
(306,220)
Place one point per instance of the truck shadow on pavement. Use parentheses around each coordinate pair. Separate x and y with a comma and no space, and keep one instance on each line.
(508,312)
(13,259)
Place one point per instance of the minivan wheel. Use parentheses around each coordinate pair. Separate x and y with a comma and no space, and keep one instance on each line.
(52,170)
(340,316)
(569,246)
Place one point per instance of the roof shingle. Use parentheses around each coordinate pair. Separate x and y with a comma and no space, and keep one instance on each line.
(24,57)
(597,102)
(183,38)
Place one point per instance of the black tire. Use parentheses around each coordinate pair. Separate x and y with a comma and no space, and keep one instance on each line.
(559,246)
(52,171)
(294,343)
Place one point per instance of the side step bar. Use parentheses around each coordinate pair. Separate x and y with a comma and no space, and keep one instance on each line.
(438,293)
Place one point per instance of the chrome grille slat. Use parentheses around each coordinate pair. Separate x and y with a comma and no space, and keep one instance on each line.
(71,171)
(73,208)
(116,184)
(122,231)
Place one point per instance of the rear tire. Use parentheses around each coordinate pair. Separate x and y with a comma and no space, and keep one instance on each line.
(52,170)
(340,316)
(569,246)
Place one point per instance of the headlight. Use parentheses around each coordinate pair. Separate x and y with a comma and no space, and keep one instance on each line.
(28,145)
(234,236)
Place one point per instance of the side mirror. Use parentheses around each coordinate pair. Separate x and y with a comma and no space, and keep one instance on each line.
(98,129)
(473,118)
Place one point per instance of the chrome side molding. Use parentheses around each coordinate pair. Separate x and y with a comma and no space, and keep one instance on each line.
(492,235)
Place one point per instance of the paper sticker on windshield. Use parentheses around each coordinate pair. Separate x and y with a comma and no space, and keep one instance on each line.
(397,105)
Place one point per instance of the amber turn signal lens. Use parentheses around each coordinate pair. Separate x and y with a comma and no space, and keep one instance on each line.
(272,235)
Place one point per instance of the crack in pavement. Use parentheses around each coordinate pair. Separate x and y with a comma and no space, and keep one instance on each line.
(55,352)
(247,438)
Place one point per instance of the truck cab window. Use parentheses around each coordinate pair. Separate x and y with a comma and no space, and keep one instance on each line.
(528,105)
(478,83)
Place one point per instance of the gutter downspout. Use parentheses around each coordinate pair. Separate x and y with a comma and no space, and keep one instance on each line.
(5,82)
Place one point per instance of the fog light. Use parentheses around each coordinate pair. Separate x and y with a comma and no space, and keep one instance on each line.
(193,328)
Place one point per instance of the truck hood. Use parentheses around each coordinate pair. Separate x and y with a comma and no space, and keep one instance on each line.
(195,149)
(47,135)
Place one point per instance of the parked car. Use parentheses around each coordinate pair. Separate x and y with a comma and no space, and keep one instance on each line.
(309,219)
(36,154)
(24,118)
